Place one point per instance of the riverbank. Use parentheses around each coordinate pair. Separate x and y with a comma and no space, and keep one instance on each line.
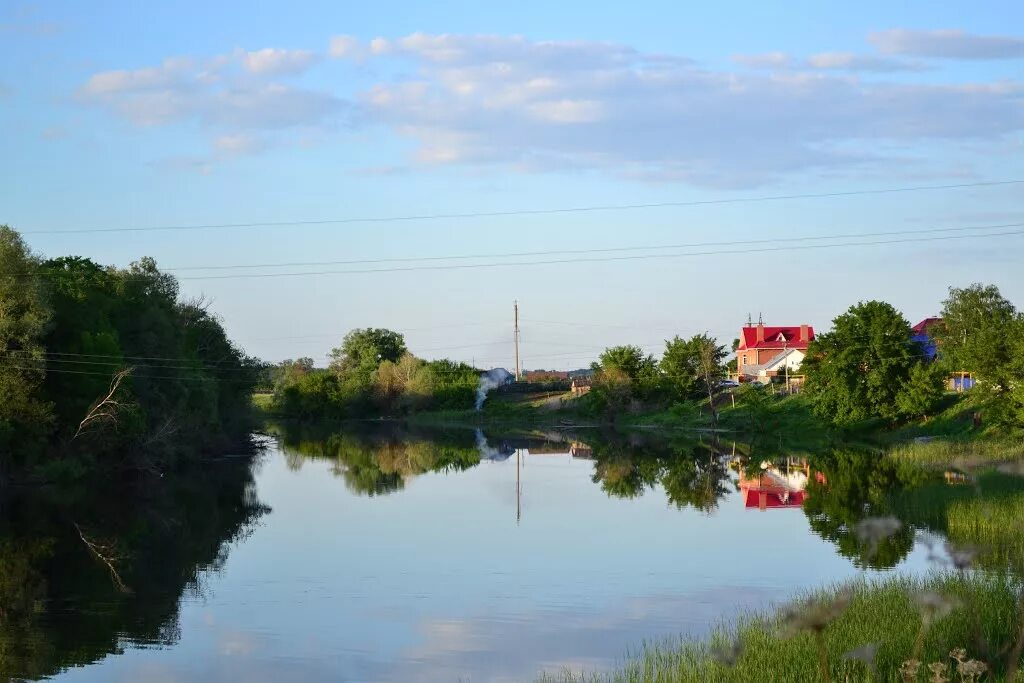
(866,630)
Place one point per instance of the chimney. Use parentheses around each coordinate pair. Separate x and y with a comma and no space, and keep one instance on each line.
(760,332)
(805,333)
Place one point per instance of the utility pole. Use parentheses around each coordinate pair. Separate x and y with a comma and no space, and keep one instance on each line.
(516,337)
(785,350)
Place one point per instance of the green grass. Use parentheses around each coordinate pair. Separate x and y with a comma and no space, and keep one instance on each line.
(881,612)
(960,452)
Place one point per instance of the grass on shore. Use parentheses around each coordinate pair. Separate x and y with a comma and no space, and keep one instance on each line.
(962,453)
(882,612)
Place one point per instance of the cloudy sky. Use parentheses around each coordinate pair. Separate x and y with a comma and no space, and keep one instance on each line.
(306,115)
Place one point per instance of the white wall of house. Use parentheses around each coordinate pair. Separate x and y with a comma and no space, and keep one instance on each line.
(792,359)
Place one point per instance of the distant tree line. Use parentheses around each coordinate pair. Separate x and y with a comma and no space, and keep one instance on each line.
(867,367)
(108,368)
(626,377)
(371,373)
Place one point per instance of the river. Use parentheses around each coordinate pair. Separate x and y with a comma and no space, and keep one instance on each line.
(413,556)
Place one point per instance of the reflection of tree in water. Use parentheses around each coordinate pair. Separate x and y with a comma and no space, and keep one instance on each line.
(985,511)
(857,485)
(379,462)
(699,482)
(692,474)
(60,605)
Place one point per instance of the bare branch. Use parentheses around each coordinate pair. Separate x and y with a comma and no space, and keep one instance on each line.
(105,409)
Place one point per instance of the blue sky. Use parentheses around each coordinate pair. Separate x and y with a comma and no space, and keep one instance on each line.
(118,115)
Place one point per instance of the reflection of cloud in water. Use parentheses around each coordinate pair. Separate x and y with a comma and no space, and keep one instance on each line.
(473,648)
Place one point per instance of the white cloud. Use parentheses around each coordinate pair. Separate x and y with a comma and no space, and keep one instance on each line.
(548,105)
(848,61)
(346,47)
(214,91)
(947,44)
(541,105)
(764,60)
(237,144)
(277,61)
(172,72)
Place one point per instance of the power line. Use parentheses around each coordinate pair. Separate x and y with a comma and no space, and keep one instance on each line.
(642,257)
(603,250)
(530,212)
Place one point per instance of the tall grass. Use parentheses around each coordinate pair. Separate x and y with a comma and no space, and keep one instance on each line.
(959,452)
(880,612)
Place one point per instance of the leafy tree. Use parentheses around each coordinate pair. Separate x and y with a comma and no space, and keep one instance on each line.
(85,335)
(978,334)
(24,316)
(679,363)
(631,360)
(611,391)
(857,370)
(710,371)
(923,392)
(632,364)
(405,384)
(364,350)
(289,372)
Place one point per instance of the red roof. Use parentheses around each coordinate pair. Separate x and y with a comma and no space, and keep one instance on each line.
(786,336)
(926,325)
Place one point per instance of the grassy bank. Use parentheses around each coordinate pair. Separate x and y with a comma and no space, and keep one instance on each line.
(783,646)
(962,452)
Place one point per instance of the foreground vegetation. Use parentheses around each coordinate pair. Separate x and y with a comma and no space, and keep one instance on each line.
(868,630)
(105,368)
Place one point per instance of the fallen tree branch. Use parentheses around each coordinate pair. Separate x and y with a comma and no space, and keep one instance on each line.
(106,408)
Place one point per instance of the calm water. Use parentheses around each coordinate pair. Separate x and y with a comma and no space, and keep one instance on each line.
(411,558)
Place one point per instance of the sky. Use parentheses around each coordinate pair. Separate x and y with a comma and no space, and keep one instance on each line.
(125,116)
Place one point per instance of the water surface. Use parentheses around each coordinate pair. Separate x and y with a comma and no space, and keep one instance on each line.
(412,557)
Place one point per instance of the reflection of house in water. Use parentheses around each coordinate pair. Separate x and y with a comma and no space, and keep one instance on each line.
(578,449)
(956,477)
(777,486)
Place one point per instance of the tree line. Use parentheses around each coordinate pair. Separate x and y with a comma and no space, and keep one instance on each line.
(109,368)
(868,366)
(371,373)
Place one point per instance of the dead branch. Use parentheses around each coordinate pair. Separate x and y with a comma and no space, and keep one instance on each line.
(105,553)
(106,408)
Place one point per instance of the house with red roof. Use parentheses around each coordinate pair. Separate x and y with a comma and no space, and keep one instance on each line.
(760,344)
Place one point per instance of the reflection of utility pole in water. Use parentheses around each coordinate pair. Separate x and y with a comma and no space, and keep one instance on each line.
(519,490)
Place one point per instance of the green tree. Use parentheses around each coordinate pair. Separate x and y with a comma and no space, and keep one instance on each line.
(978,334)
(710,371)
(363,350)
(679,363)
(923,392)
(24,316)
(631,362)
(857,370)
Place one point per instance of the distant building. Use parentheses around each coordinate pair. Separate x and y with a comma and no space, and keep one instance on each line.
(761,344)
(545,375)
(924,334)
(580,385)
